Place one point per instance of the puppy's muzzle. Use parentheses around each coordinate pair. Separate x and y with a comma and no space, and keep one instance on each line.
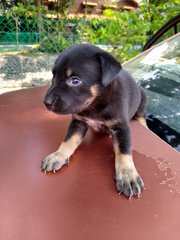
(50,101)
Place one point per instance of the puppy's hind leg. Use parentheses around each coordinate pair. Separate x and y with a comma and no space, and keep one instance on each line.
(57,159)
(142,121)
(140,115)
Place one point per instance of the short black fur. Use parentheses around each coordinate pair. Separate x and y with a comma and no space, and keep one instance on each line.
(102,96)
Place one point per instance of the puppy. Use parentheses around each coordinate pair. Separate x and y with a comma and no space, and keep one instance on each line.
(92,86)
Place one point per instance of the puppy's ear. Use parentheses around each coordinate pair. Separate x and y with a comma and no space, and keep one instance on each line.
(109,67)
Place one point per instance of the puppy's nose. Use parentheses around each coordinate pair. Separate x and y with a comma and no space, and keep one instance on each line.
(49,101)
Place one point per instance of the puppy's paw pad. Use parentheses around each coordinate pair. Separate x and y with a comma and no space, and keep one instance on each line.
(53,162)
(124,187)
(130,187)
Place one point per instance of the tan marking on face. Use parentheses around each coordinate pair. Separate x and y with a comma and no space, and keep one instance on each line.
(94,90)
(68,147)
(142,121)
(94,94)
(68,72)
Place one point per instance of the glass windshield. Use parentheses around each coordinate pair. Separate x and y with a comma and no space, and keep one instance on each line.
(158,72)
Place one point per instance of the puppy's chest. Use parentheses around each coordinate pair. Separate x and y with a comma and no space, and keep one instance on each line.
(96,125)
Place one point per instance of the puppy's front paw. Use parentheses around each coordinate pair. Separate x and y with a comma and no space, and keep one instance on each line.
(129,186)
(54,162)
(128,181)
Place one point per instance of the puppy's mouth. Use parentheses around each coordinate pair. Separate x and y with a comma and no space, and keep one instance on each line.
(52,104)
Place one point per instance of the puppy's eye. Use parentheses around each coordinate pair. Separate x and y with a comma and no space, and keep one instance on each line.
(74,81)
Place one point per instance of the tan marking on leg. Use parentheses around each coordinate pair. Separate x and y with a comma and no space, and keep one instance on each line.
(121,158)
(57,159)
(142,121)
(124,163)
(127,178)
(68,147)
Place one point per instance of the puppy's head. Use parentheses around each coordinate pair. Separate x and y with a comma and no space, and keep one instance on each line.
(80,74)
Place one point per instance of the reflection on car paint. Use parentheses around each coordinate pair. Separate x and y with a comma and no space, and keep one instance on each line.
(158,72)
(166,133)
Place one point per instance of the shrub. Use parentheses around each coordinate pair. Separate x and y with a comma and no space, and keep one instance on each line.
(55,43)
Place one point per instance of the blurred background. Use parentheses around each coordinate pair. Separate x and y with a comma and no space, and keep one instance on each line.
(34,32)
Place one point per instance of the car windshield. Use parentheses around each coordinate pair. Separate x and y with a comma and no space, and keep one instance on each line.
(158,71)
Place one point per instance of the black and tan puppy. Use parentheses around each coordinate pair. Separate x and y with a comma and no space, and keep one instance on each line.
(92,86)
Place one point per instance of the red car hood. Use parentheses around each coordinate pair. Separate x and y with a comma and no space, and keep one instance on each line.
(80,201)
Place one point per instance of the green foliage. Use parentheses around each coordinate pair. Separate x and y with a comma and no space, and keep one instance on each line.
(53,43)
(124,32)
(127,31)
(25,11)
(58,34)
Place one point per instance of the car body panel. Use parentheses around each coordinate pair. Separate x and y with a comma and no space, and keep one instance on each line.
(80,201)
(157,70)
